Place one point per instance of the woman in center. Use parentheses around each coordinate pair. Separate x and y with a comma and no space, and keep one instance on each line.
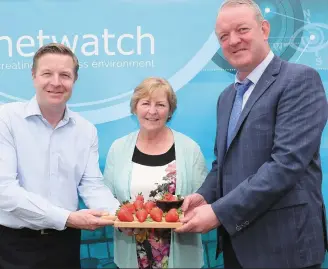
(147,161)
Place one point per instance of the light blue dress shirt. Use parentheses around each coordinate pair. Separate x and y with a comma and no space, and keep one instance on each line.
(255,76)
(44,169)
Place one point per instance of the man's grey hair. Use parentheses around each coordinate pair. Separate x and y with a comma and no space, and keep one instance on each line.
(250,3)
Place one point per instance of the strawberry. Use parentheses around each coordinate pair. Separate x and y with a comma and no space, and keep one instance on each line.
(172,215)
(124,214)
(129,206)
(149,205)
(138,204)
(156,214)
(142,215)
(140,197)
(173,198)
(168,197)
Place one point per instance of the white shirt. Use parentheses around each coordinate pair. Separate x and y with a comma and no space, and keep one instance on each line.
(255,76)
(44,169)
(145,179)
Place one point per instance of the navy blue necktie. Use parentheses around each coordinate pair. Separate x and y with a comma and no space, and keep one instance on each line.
(241,88)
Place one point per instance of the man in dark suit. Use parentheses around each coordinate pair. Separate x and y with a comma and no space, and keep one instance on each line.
(264,190)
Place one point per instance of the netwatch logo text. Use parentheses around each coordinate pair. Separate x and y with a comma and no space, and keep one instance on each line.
(111,44)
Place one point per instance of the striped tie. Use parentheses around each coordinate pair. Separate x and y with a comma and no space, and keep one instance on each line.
(241,88)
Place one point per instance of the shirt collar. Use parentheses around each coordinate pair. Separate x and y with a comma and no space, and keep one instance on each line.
(33,109)
(256,74)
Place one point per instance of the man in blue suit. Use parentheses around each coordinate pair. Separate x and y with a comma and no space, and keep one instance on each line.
(264,190)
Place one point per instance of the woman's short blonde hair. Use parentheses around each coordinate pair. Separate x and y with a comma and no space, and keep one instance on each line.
(147,87)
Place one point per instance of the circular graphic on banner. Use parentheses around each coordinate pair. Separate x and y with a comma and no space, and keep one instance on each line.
(118,44)
(312,38)
(287,20)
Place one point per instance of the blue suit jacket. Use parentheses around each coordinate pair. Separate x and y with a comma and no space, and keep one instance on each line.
(266,187)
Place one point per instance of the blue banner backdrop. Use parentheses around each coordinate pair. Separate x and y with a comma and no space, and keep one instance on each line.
(120,42)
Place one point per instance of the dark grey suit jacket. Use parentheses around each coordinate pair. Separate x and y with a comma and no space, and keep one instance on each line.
(270,177)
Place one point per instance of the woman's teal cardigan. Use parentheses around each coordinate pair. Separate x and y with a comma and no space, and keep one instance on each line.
(186,250)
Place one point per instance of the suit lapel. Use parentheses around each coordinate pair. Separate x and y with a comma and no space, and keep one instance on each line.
(223,121)
(268,77)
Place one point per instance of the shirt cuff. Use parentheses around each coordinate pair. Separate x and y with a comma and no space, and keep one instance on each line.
(57,218)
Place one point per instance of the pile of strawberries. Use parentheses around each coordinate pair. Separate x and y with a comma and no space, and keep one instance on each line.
(145,211)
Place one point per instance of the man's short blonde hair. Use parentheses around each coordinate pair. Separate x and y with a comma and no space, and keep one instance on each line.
(250,3)
(55,48)
(148,86)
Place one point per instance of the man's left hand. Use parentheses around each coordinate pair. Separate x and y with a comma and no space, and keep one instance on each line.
(202,220)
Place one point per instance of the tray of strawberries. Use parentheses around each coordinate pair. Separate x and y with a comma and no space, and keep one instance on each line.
(160,213)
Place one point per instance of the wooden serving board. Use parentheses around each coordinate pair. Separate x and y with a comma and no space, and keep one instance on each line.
(109,217)
(147,224)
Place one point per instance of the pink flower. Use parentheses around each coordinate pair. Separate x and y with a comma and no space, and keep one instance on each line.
(171,188)
(144,262)
(165,250)
(154,243)
(156,255)
(171,168)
